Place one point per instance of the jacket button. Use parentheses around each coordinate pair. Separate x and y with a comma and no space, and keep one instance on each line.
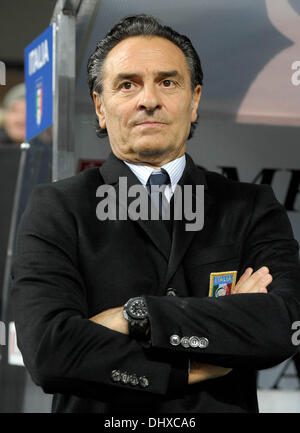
(133,380)
(203,342)
(124,377)
(175,340)
(185,342)
(116,375)
(171,292)
(143,381)
(194,341)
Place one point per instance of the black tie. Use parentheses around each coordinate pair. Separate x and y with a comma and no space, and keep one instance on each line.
(156,186)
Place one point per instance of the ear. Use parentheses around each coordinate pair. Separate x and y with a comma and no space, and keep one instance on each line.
(100,111)
(196,100)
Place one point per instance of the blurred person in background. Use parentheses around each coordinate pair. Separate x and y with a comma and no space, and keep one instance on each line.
(13,126)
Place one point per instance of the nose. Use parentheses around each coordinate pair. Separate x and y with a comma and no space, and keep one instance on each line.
(149,98)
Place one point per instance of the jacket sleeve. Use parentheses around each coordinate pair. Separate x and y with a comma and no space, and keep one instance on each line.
(62,349)
(253,330)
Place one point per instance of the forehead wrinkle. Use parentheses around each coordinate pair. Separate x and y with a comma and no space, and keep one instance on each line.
(126,51)
(131,75)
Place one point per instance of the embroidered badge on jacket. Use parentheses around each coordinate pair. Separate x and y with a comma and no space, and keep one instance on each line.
(221,283)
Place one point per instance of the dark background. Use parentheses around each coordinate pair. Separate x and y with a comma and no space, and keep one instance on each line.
(20,22)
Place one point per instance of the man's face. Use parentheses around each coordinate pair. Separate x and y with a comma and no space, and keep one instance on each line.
(147,105)
(15,121)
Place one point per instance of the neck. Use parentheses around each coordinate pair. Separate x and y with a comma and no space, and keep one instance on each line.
(152,162)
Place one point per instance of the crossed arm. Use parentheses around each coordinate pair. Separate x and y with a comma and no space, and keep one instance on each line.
(68,351)
(249,282)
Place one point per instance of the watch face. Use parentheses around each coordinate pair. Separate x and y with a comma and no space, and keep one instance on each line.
(137,308)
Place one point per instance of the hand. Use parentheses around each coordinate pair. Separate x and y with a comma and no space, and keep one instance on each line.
(253,283)
(200,372)
(249,282)
(113,319)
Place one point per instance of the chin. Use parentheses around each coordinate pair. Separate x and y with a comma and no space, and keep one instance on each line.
(150,149)
(151,152)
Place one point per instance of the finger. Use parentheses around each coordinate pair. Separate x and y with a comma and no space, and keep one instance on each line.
(248,279)
(245,275)
(260,282)
(260,278)
(266,280)
(242,279)
(263,290)
(264,270)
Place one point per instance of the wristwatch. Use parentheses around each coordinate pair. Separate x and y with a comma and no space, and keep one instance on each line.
(136,313)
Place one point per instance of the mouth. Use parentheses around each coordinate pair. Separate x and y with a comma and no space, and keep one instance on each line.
(150,124)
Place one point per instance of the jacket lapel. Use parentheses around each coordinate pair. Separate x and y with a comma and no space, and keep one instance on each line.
(111,171)
(182,238)
(172,250)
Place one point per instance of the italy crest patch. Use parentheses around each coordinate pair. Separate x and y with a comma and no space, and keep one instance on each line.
(221,283)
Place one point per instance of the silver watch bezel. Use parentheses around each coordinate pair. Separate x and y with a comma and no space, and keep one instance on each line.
(127,316)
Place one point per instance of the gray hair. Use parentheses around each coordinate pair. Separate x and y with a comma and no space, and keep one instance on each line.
(139,25)
(14,94)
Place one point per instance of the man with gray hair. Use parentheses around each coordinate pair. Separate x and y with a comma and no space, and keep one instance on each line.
(13,130)
(142,315)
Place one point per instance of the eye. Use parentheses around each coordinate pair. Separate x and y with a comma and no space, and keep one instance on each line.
(168,83)
(127,85)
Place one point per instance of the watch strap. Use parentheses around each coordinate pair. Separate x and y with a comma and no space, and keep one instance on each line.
(139,329)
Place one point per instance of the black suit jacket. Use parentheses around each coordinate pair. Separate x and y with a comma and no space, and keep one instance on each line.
(69,266)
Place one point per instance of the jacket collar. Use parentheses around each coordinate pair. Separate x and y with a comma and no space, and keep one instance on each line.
(114,168)
(173,249)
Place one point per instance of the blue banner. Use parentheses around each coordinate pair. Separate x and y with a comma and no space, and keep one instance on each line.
(39,83)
